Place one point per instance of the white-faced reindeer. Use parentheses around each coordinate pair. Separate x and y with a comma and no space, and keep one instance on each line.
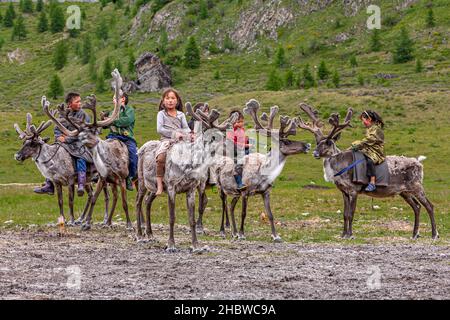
(259,170)
(187,165)
(110,156)
(406,174)
(54,163)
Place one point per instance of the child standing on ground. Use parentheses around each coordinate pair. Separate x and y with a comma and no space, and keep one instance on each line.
(372,146)
(172,126)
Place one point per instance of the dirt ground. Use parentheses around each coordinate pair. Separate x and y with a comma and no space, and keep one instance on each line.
(36,263)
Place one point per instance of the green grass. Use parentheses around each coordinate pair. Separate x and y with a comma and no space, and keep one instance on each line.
(414,106)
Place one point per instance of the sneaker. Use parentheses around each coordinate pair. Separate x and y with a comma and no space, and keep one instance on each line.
(129,184)
(370,187)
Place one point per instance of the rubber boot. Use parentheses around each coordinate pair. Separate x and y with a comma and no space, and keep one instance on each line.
(47,188)
(238,179)
(81,183)
(129,184)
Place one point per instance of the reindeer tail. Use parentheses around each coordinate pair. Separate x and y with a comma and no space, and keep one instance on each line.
(421,158)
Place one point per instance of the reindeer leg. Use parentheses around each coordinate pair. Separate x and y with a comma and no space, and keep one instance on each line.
(139,198)
(71,188)
(60,200)
(233,220)
(106,193)
(346,218)
(266,198)
(353,199)
(190,202)
(148,207)
(202,202)
(243,215)
(86,207)
(125,204)
(223,196)
(415,205)
(87,224)
(108,221)
(430,209)
(171,200)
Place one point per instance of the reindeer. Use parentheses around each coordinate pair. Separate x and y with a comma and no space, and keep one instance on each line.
(187,167)
(110,157)
(259,170)
(54,163)
(406,174)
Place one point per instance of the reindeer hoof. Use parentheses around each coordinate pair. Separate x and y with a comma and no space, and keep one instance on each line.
(78,222)
(199,230)
(435,237)
(415,236)
(277,239)
(241,237)
(85,227)
(171,249)
(197,250)
(222,235)
(130,226)
(70,223)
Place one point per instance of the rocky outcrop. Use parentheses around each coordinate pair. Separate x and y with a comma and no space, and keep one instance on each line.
(152,75)
(17,56)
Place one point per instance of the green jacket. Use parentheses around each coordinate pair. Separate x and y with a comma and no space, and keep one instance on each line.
(124,125)
(372,145)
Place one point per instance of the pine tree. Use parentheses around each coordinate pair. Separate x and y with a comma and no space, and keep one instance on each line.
(39,5)
(55,88)
(87,49)
(419,66)
(1,18)
(100,83)
(430,18)
(19,31)
(10,15)
(57,20)
(163,42)
(60,56)
(228,43)
(274,82)
(203,10)
(102,30)
(191,55)
(289,79)
(375,43)
(280,58)
(322,71)
(361,80)
(107,68)
(43,22)
(27,6)
(92,69)
(216,75)
(336,79)
(403,51)
(1,42)
(118,66)
(308,79)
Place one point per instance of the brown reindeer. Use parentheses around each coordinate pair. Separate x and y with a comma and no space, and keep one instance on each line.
(110,156)
(406,174)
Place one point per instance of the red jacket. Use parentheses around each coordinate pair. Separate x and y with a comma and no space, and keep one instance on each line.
(238,137)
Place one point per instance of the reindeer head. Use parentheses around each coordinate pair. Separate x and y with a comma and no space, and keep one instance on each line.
(326,145)
(288,127)
(32,141)
(86,131)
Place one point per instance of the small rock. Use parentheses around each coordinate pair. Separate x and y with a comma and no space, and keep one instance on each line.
(8,222)
(375,207)
(305,214)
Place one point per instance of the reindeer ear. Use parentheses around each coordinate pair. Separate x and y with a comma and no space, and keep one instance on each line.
(46,139)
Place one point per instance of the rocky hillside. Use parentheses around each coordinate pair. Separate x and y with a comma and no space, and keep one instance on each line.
(239,42)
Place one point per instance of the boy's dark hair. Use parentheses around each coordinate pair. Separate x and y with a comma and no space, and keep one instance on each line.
(124,95)
(70,96)
(240,115)
(179,106)
(372,115)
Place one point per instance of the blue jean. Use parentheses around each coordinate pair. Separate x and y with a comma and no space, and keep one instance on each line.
(81,165)
(132,152)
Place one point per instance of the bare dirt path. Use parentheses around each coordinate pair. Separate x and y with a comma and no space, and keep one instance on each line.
(108,264)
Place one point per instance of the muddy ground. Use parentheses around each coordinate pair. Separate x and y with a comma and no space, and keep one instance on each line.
(36,263)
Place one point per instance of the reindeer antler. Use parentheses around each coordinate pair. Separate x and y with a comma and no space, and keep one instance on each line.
(52,115)
(252,107)
(288,127)
(118,94)
(316,126)
(337,128)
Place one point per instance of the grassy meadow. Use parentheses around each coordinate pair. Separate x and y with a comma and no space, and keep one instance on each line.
(414,105)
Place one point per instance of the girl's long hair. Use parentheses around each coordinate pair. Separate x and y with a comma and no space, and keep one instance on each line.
(372,115)
(179,106)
